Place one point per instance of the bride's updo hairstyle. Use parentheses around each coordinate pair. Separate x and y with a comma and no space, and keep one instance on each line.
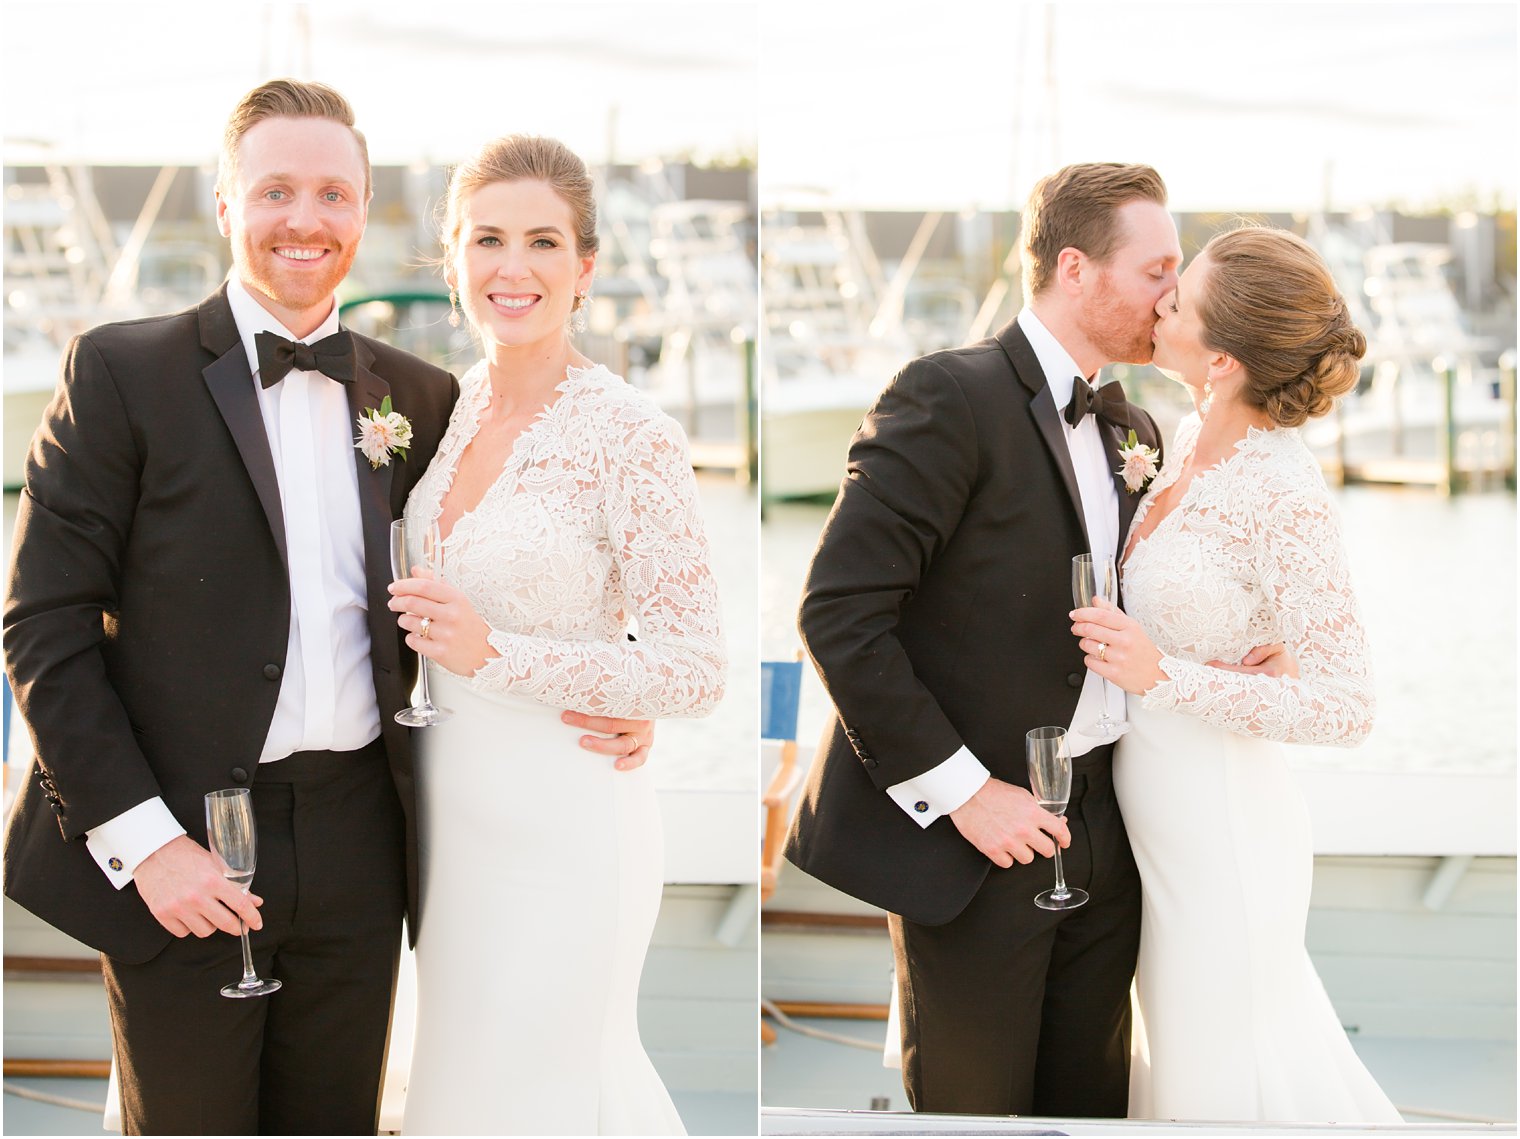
(1269,301)
(523,158)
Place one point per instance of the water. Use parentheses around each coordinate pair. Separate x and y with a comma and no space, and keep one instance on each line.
(1435,577)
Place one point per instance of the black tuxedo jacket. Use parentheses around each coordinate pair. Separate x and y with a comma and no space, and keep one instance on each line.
(935,610)
(148,606)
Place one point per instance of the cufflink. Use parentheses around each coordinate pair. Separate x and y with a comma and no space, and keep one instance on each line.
(114,863)
(920,806)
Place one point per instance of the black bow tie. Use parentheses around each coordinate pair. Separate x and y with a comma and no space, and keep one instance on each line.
(1107,403)
(333,356)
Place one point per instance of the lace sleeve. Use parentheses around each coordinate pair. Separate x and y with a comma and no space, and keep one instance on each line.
(1301,565)
(677,665)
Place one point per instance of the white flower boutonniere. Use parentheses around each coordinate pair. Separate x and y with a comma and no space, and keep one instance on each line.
(1139,464)
(383,433)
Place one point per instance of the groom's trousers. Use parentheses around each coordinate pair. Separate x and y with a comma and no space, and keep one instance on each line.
(306,1060)
(1009,1009)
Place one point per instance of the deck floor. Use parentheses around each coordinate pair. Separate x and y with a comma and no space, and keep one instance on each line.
(1472,1078)
(704,1113)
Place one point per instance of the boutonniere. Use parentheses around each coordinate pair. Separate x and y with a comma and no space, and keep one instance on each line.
(383,433)
(1139,464)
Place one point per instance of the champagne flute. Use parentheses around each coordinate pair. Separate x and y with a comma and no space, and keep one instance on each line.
(1095,575)
(411,545)
(1050,780)
(233,840)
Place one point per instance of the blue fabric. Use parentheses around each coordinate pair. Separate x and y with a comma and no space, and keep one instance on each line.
(780,697)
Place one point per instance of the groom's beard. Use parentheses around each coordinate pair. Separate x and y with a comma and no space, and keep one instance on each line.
(295,287)
(1119,328)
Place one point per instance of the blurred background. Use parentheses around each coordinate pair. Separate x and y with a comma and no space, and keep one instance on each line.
(113,116)
(898,149)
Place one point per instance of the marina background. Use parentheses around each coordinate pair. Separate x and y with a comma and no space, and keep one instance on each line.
(870,170)
(109,215)
(1383,134)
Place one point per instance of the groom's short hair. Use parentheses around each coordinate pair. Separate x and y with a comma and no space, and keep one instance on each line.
(1077,208)
(284,98)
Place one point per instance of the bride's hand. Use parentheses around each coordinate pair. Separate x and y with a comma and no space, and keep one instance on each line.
(455,635)
(1117,648)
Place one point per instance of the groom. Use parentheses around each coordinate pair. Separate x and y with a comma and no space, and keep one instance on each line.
(935,610)
(197,601)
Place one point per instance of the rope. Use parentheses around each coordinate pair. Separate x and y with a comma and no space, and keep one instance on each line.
(55,1100)
(836,1038)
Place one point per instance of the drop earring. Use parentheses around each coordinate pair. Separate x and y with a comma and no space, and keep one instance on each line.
(578,311)
(453,309)
(1208,399)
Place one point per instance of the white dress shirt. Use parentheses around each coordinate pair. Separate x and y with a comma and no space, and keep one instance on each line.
(947,786)
(327,693)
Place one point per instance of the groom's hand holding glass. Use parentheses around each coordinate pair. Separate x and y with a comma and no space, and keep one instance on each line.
(183,886)
(456,638)
(1004,822)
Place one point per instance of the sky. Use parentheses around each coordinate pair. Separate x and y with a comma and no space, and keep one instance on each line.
(954,104)
(1240,106)
(152,83)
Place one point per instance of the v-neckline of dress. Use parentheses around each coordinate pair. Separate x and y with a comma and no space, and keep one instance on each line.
(1240,447)
(510,461)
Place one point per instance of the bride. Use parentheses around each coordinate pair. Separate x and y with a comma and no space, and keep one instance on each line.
(568,514)
(1236,544)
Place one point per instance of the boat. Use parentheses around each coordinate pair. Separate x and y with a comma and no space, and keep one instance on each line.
(68,270)
(1412,930)
(839,323)
(1436,402)
(690,342)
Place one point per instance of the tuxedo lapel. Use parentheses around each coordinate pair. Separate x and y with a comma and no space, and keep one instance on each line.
(367,392)
(1115,437)
(230,381)
(1042,406)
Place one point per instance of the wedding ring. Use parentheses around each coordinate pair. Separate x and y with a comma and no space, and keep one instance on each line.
(422,629)
(1103,651)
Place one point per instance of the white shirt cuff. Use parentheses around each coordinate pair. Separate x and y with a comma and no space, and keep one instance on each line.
(941,789)
(118,845)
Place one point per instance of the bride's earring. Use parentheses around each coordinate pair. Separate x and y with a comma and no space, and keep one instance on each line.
(453,309)
(578,311)
(1208,399)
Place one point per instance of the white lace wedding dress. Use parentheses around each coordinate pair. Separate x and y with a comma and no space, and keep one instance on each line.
(1234,1023)
(542,866)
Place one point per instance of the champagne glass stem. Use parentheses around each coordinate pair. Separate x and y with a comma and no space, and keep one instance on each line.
(1060,890)
(427,699)
(250,978)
